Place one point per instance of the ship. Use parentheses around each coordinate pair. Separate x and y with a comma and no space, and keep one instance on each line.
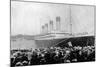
(56,37)
(74,29)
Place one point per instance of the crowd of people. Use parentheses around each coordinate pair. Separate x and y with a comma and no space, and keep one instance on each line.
(52,55)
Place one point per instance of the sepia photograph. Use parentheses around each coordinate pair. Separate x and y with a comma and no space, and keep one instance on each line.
(43,33)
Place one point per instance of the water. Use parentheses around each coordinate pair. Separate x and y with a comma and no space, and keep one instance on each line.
(31,43)
(23,44)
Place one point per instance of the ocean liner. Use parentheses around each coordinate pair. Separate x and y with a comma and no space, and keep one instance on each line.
(53,34)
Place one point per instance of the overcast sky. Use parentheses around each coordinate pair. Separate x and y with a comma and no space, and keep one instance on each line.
(27,17)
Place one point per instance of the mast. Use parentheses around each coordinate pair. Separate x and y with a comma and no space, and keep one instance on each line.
(70,21)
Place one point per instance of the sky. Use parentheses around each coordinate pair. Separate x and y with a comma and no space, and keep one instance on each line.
(28,17)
